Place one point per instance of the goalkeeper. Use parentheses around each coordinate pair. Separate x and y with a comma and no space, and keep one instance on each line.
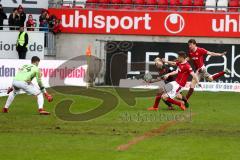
(23,81)
(162,70)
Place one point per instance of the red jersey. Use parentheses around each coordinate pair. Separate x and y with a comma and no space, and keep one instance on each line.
(184,70)
(198,57)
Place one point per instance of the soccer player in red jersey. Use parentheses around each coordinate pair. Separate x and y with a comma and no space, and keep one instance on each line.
(196,54)
(163,69)
(183,72)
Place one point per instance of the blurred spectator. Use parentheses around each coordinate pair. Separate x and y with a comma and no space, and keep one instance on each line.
(44,26)
(22,43)
(52,21)
(57,27)
(2,16)
(43,16)
(30,23)
(22,15)
(14,19)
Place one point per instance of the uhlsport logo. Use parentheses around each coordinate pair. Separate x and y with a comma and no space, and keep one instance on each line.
(174,23)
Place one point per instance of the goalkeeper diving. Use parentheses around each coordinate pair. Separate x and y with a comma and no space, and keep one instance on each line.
(23,81)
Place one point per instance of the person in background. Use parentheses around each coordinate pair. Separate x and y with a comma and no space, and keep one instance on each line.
(44,26)
(52,21)
(43,16)
(22,43)
(14,19)
(30,23)
(57,27)
(22,15)
(2,16)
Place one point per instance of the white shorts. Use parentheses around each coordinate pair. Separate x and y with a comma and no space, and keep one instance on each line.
(176,89)
(29,88)
(202,73)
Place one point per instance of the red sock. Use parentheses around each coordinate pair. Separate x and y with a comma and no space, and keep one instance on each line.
(157,101)
(217,75)
(170,100)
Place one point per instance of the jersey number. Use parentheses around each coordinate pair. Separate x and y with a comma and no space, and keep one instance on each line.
(28,68)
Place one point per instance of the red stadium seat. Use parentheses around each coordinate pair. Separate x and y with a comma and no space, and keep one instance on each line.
(233,3)
(162,4)
(188,4)
(139,4)
(103,4)
(198,5)
(127,4)
(173,5)
(115,3)
(152,3)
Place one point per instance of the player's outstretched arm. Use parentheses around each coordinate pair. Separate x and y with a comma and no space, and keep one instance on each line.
(172,63)
(216,54)
(170,74)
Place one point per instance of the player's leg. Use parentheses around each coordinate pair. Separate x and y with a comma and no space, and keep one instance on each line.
(16,87)
(170,95)
(180,96)
(217,75)
(173,101)
(31,89)
(170,107)
(156,102)
(9,101)
(191,89)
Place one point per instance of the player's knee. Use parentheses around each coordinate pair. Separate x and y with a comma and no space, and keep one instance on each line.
(165,97)
(193,84)
(210,79)
(179,96)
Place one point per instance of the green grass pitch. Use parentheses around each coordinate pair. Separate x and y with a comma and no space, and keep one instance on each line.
(211,131)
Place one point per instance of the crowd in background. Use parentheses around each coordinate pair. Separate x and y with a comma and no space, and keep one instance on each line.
(17,18)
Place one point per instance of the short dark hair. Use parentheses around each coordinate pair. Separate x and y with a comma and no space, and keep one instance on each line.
(35,59)
(14,9)
(182,54)
(193,41)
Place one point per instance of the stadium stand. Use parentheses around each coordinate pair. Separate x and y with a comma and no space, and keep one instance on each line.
(172,5)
